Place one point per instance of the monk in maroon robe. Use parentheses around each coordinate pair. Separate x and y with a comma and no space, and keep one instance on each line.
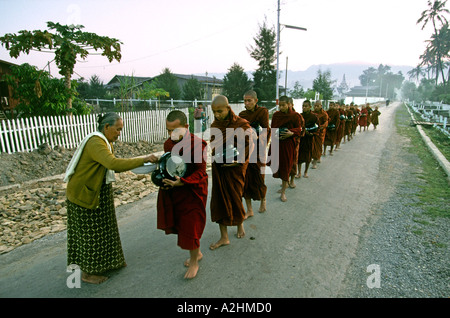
(332,128)
(181,205)
(348,123)
(306,141)
(255,187)
(297,143)
(319,139)
(369,115)
(375,114)
(341,128)
(363,118)
(288,124)
(355,119)
(228,176)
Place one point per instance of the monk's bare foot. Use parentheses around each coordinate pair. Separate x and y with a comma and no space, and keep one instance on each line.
(192,270)
(248,214)
(240,231)
(305,175)
(292,185)
(219,243)
(188,261)
(298,176)
(283,197)
(93,279)
(192,264)
(262,207)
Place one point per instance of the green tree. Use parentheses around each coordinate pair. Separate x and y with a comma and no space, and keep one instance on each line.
(369,76)
(416,73)
(168,82)
(436,13)
(67,43)
(409,91)
(126,90)
(297,91)
(40,94)
(151,90)
(236,83)
(437,53)
(96,87)
(382,77)
(310,94)
(264,52)
(192,89)
(425,89)
(323,83)
(92,89)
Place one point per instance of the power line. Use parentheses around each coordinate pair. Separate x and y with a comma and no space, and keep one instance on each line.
(164,51)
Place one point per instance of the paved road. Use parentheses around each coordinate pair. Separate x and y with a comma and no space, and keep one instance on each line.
(300,248)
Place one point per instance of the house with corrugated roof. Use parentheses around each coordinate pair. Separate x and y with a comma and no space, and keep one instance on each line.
(7,103)
(212,85)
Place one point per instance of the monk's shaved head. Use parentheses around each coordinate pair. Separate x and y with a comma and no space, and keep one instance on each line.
(251,94)
(220,100)
(220,107)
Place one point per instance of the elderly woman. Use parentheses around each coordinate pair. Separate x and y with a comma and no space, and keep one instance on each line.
(93,241)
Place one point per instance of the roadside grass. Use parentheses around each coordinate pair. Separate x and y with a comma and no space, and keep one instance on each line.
(441,141)
(433,196)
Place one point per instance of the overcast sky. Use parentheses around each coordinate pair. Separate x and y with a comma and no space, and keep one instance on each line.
(199,36)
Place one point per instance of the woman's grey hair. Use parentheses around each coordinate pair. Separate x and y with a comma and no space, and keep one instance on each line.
(108,118)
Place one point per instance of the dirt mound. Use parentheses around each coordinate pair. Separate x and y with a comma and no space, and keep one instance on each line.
(32,208)
(44,162)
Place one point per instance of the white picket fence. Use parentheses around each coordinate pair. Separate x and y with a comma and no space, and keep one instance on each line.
(27,134)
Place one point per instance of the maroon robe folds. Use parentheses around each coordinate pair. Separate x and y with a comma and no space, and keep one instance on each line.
(333,119)
(228,182)
(320,137)
(297,142)
(363,117)
(374,117)
(306,141)
(349,122)
(182,210)
(355,119)
(255,187)
(287,147)
(341,128)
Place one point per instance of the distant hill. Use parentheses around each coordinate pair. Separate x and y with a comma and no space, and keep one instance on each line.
(352,71)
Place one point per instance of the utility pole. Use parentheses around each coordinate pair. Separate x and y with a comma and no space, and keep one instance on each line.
(278,47)
(285,77)
(278,51)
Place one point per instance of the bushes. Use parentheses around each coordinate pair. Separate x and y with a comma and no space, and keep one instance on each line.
(40,94)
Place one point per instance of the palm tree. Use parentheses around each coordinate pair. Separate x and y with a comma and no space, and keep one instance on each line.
(429,62)
(444,35)
(439,46)
(434,13)
(416,73)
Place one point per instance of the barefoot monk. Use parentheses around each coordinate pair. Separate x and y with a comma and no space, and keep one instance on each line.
(231,148)
(255,187)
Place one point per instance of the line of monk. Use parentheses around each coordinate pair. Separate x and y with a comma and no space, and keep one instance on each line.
(292,139)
